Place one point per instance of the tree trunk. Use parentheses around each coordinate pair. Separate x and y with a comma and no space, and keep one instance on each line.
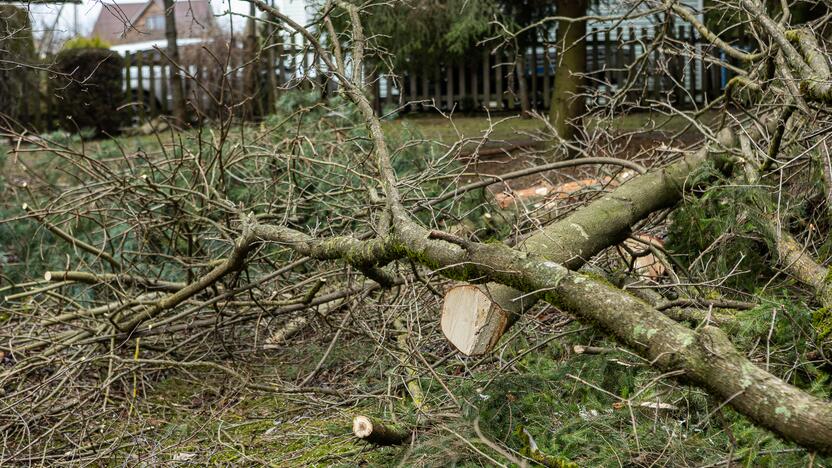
(795,259)
(250,76)
(567,101)
(475,317)
(177,92)
(522,88)
(375,432)
(704,356)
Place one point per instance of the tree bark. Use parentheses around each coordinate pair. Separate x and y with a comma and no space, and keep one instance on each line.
(177,92)
(794,258)
(567,99)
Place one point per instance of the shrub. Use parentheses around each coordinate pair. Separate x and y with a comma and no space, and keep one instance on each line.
(88,87)
(16,47)
(86,43)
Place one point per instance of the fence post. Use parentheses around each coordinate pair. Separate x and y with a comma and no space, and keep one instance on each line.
(393,84)
(375,90)
(486,79)
(475,84)
(715,75)
(140,85)
(412,83)
(305,61)
(679,68)
(692,62)
(436,93)
(231,73)
(271,64)
(608,58)
(43,79)
(547,76)
(619,57)
(461,73)
(596,53)
(449,88)
(164,82)
(24,116)
(425,94)
(498,68)
(533,61)
(152,87)
(647,78)
(195,101)
(281,77)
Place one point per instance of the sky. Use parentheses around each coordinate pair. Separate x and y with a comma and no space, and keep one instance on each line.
(44,17)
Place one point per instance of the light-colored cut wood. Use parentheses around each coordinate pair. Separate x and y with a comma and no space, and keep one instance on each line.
(362,426)
(471,320)
(377,432)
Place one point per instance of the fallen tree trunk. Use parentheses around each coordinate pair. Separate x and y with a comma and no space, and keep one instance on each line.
(704,356)
(474,318)
(378,433)
(796,260)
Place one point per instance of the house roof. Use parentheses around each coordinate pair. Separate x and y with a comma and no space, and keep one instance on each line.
(116,20)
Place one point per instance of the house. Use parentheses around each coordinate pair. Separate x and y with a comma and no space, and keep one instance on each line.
(129,23)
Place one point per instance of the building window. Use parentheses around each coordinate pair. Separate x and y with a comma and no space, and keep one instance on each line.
(156,23)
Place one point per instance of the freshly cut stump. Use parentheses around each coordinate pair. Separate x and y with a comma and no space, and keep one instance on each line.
(472,321)
(377,433)
(474,327)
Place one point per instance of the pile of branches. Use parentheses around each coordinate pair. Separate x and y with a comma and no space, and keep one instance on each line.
(228,241)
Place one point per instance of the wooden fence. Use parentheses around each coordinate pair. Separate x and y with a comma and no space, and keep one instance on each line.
(491,82)
(219,83)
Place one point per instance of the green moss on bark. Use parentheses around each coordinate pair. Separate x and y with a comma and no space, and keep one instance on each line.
(822,321)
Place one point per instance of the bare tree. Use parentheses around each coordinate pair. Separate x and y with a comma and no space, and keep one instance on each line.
(177,89)
(567,94)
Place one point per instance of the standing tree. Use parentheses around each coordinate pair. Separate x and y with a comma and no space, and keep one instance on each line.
(177,89)
(250,58)
(567,94)
(424,33)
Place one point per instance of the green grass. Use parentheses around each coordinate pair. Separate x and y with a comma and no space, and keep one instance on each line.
(550,394)
(430,126)
(512,127)
(212,420)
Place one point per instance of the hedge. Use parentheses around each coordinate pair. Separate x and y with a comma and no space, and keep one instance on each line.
(88,89)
